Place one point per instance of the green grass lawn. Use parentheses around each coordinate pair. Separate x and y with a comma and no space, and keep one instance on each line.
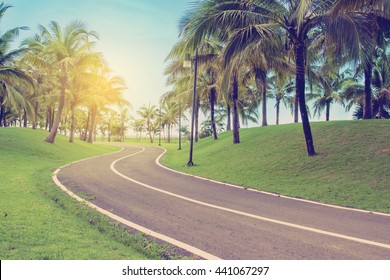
(352,167)
(39,221)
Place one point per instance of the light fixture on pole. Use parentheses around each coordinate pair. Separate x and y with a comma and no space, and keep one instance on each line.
(187,64)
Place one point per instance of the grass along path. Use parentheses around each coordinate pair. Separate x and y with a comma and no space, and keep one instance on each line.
(352,167)
(39,221)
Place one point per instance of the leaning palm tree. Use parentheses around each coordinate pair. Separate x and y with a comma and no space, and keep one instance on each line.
(63,48)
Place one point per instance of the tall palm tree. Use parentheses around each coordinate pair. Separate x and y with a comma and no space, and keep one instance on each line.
(138,126)
(370,19)
(281,89)
(169,115)
(329,84)
(253,21)
(79,84)
(43,77)
(381,79)
(124,117)
(149,113)
(103,90)
(63,48)
(12,79)
(208,61)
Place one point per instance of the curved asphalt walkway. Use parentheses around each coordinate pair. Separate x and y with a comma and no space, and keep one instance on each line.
(227,222)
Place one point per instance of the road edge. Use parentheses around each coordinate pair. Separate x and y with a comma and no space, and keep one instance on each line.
(177,243)
(157,161)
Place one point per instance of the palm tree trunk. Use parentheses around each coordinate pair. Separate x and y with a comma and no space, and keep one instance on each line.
(2,109)
(24,118)
(168,133)
(229,118)
(299,50)
(264,102)
(4,117)
(35,121)
(327,111)
(212,98)
(123,131)
(236,122)
(277,110)
(87,125)
(150,131)
(71,137)
(381,97)
(47,119)
(261,76)
(367,109)
(109,131)
(296,108)
(52,136)
(52,114)
(92,124)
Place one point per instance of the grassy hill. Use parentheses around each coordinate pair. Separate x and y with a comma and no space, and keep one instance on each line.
(352,167)
(39,221)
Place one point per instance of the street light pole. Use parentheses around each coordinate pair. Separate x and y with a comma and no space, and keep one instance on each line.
(190,162)
(179,124)
(159,133)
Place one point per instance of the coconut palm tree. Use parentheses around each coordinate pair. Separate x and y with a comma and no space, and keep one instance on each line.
(12,78)
(43,76)
(329,85)
(169,115)
(79,83)
(362,25)
(63,48)
(149,113)
(104,90)
(254,21)
(138,126)
(208,64)
(381,79)
(281,88)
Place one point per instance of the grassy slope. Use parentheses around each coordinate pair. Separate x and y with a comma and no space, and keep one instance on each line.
(37,220)
(352,167)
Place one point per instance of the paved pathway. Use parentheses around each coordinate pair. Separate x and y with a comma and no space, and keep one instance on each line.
(227,222)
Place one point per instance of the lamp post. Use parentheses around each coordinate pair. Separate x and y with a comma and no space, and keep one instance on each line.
(190,162)
(179,124)
(159,133)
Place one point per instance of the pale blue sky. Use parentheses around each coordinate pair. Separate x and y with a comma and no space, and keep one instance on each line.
(135,38)
(135,35)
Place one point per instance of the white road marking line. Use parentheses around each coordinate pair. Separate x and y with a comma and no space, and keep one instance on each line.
(328,233)
(157,161)
(137,227)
